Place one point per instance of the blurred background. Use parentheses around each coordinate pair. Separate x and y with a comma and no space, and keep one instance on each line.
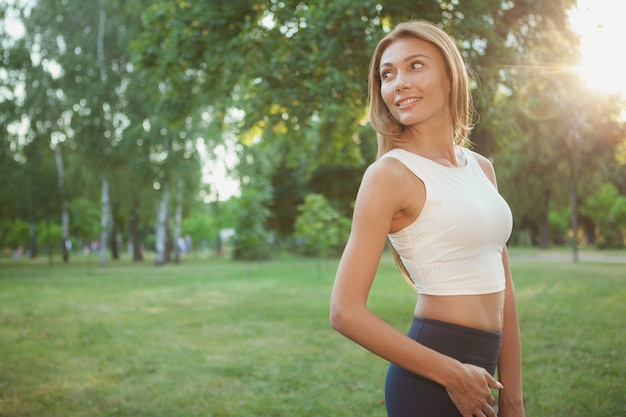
(238,128)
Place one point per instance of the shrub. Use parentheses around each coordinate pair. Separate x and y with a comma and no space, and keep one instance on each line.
(320,229)
(252,240)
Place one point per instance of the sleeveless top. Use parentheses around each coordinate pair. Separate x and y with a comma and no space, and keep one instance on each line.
(455,245)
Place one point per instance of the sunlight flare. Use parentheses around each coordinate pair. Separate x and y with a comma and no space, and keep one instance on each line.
(603,44)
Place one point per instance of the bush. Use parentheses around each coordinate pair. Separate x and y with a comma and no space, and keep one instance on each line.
(253,241)
(560,222)
(14,234)
(608,209)
(320,229)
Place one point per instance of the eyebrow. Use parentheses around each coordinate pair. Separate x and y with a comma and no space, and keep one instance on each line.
(408,58)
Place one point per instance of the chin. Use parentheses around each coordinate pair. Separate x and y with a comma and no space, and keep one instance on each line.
(408,122)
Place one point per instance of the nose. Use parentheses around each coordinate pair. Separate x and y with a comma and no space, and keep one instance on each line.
(400,82)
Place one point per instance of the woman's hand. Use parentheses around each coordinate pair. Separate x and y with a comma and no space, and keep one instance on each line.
(470,391)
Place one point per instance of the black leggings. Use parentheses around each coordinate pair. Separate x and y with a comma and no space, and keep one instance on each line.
(410,395)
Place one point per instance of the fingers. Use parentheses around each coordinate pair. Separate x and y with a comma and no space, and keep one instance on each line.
(481,406)
(484,411)
(491,381)
(475,398)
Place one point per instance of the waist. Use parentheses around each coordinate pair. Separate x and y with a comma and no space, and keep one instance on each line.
(482,312)
(465,344)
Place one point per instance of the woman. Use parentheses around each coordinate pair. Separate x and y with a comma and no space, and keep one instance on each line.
(437,204)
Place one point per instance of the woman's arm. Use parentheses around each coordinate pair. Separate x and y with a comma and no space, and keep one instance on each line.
(510,401)
(380,200)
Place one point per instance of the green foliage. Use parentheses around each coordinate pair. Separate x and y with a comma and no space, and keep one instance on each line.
(129,98)
(14,234)
(608,208)
(205,222)
(199,227)
(559,224)
(288,189)
(252,240)
(39,196)
(81,90)
(12,189)
(84,218)
(49,235)
(339,183)
(320,230)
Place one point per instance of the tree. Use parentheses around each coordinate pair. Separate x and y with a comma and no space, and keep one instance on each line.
(11,191)
(127,101)
(253,241)
(304,97)
(42,200)
(557,142)
(82,93)
(52,53)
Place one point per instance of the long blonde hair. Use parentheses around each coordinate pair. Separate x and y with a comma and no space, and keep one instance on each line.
(388,129)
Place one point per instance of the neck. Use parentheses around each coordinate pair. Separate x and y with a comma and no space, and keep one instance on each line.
(437,145)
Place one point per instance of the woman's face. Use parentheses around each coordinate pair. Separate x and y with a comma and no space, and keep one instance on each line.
(414,82)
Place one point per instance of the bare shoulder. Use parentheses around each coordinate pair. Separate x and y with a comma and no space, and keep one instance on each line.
(392,192)
(386,171)
(385,185)
(486,166)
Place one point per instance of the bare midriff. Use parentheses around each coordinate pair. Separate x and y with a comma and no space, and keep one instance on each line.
(482,311)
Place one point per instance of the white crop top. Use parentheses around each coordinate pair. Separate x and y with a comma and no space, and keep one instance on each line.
(455,245)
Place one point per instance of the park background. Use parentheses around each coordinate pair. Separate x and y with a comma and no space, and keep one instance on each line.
(187,156)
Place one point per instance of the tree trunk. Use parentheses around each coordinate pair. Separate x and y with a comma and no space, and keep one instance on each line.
(65,217)
(100,44)
(104,222)
(169,244)
(574,202)
(115,252)
(219,249)
(545,221)
(178,219)
(161,227)
(32,238)
(133,227)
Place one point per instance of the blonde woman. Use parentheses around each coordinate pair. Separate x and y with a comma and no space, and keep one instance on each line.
(437,204)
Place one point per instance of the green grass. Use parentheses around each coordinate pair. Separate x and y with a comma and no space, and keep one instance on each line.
(218,338)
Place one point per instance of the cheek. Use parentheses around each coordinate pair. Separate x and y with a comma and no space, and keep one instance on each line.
(387,96)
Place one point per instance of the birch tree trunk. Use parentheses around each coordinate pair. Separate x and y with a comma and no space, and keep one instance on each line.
(161,226)
(100,43)
(106,204)
(32,238)
(65,217)
(178,218)
(104,222)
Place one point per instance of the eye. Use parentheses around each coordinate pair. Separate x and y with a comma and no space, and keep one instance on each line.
(416,65)
(385,74)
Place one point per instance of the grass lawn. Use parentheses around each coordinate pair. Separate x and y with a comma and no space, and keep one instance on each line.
(219,338)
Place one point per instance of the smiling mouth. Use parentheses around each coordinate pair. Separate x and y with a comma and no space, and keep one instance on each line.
(407,101)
